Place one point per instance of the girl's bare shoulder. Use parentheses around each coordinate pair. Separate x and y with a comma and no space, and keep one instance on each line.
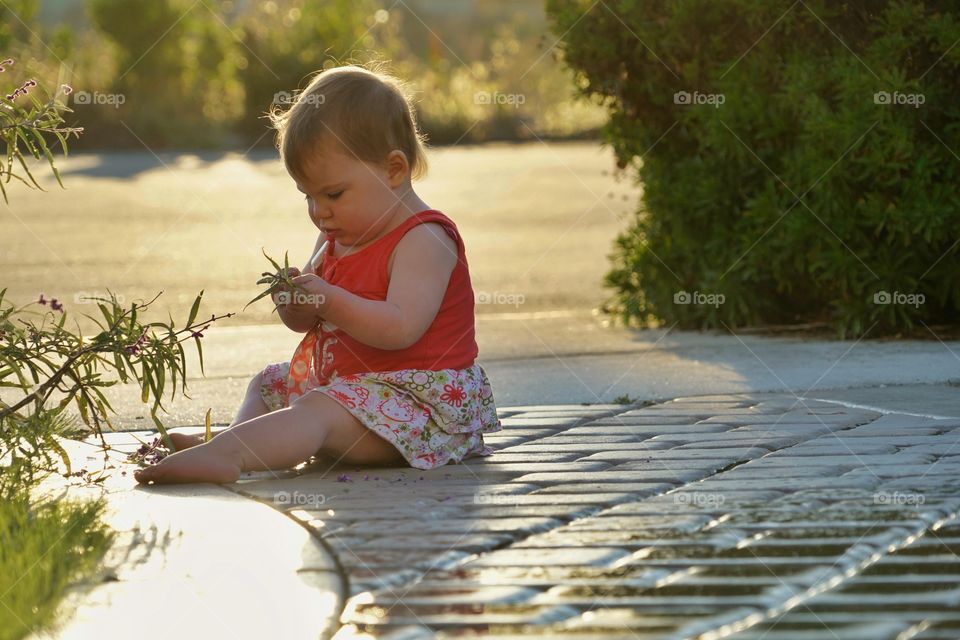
(429,241)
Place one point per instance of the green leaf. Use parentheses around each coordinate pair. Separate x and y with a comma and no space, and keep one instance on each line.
(162,429)
(194,309)
(200,355)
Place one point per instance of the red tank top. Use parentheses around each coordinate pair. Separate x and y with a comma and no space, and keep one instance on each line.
(448,343)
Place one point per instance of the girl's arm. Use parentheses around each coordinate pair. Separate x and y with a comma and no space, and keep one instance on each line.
(422,264)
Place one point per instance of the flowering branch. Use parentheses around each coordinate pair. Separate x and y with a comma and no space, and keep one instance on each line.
(23,129)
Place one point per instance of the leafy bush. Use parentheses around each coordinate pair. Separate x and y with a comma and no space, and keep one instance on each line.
(799,162)
(177,74)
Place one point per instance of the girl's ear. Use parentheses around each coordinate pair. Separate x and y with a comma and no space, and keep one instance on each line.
(398,168)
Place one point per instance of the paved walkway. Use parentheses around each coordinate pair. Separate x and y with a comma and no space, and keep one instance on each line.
(744,516)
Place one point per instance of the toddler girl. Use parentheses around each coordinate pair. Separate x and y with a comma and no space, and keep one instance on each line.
(386,370)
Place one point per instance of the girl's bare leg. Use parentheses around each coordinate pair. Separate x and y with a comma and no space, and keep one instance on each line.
(253,406)
(277,440)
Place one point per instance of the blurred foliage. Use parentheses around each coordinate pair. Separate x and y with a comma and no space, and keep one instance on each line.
(179,74)
(287,40)
(806,196)
(178,71)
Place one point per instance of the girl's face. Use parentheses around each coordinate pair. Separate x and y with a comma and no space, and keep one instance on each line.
(350,200)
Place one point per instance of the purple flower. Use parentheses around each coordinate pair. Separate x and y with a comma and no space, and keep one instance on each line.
(22,90)
(196,334)
(343,478)
(56,306)
(42,300)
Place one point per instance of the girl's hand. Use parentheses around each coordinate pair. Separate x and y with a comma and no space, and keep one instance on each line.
(310,296)
(282,296)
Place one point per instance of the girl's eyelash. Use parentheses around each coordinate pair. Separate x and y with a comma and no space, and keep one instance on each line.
(332,196)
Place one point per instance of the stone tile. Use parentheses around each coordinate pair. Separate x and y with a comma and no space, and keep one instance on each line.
(630,455)
(664,524)
(554,557)
(492,467)
(536,448)
(516,455)
(650,430)
(754,440)
(661,473)
(465,525)
(523,423)
(472,542)
(454,616)
(554,408)
(646,419)
(729,454)
(446,595)
(843,456)
(638,489)
(587,441)
(560,497)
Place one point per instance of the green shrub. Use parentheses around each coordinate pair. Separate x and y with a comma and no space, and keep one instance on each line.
(809,173)
(176,79)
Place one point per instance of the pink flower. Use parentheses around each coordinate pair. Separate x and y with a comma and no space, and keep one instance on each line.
(454,395)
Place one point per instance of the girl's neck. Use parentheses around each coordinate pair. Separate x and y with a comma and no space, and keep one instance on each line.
(405,208)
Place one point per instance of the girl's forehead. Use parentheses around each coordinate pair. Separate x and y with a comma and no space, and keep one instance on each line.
(326,167)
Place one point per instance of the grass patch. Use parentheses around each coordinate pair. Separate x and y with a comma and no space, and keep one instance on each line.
(44,547)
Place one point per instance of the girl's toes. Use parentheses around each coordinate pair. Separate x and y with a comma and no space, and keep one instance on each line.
(147,474)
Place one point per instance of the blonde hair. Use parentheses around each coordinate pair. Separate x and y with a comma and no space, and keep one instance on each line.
(366,112)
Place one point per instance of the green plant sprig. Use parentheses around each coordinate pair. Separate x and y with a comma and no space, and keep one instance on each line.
(23,129)
(277,280)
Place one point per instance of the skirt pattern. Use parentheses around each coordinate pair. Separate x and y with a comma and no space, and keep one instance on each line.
(431,417)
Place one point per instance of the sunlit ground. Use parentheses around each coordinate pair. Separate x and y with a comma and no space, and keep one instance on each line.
(538,220)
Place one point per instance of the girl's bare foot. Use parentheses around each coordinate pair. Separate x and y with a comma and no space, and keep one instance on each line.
(183,441)
(198,464)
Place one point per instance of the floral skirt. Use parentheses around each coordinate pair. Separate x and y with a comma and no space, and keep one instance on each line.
(431,417)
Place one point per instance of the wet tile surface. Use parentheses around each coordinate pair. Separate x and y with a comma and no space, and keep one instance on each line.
(743,516)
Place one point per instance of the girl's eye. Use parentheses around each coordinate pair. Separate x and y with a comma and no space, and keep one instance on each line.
(334,196)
